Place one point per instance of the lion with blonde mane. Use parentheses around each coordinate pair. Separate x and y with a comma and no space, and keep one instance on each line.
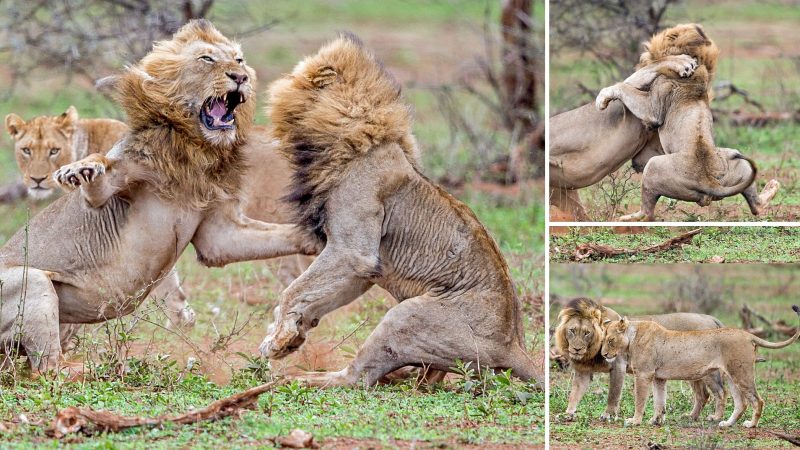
(174,179)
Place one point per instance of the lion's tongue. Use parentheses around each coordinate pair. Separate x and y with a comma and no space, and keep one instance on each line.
(217,109)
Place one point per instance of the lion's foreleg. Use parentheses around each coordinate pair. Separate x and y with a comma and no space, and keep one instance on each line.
(659,401)
(647,106)
(97,176)
(616,379)
(641,389)
(224,238)
(337,277)
(580,382)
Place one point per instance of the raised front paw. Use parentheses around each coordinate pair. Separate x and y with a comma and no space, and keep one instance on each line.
(78,173)
(604,98)
(685,66)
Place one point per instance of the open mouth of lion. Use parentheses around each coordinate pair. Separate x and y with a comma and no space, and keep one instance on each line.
(217,112)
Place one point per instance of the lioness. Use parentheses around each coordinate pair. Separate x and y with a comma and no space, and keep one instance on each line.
(613,136)
(579,336)
(45,143)
(358,191)
(692,168)
(656,355)
(175,179)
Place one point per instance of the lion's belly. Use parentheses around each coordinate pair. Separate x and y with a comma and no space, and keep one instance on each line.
(106,260)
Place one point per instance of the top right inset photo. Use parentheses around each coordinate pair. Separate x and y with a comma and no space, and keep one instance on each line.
(674,111)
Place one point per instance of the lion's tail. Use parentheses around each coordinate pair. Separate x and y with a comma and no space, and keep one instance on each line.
(342,101)
(727,191)
(776,345)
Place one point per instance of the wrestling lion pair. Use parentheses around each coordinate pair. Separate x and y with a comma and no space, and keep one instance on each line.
(660,119)
(680,346)
(357,194)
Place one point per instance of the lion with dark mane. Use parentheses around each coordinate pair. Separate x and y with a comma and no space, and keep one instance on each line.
(579,338)
(360,193)
(175,179)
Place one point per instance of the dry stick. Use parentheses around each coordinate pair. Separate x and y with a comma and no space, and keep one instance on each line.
(74,419)
(589,250)
(792,439)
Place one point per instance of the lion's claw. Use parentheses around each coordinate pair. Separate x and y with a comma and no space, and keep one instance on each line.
(76,174)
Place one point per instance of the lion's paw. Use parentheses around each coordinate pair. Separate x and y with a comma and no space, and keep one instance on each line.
(183,318)
(283,338)
(748,424)
(632,421)
(688,67)
(657,420)
(608,417)
(567,417)
(725,424)
(604,98)
(78,173)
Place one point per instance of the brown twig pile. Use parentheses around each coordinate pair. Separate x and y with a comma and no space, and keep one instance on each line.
(74,419)
(600,251)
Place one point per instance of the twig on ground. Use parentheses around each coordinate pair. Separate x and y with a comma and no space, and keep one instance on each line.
(73,419)
(599,251)
(791,439)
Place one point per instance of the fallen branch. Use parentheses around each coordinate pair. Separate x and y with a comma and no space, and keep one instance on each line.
(74,419)
(791,439)
(599,251)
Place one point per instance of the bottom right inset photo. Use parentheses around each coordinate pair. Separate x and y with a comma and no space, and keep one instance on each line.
(674,355)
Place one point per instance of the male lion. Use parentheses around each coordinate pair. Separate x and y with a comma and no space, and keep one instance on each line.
(613,136)
(656,354)
(175,179)
(691,167)
(579,336)
(358,191)
(45,143)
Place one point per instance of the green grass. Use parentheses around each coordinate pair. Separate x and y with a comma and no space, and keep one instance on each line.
(646,289)
(734,244)
(505,413)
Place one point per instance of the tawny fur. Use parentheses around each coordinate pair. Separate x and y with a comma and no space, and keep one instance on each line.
(206,172)
(359,191)
(579,337)
(325,129)
(72,137)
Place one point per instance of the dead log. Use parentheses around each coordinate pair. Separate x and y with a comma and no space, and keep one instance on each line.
(600,251)
(73,419)
(791,439)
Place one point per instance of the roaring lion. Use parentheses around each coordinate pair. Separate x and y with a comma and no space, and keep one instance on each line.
(691,167)
(175,179)
(579,337)
(611,137)
(45,143)
(656,354)
(359,192)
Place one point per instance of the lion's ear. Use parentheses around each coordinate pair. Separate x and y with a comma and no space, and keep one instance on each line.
(606,322)
(69,119)
(623,324)
(107,85)
(14,125)
(597,315)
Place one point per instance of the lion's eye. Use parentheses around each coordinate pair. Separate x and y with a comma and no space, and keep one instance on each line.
(206,58)
(26,151)
(571,332)
(54,151)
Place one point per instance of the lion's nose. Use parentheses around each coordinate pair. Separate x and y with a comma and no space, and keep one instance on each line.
(38,181)
(239,78)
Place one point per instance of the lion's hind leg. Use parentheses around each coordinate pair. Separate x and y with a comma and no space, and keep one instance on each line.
(700,394)
(29,317)
(428,333)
